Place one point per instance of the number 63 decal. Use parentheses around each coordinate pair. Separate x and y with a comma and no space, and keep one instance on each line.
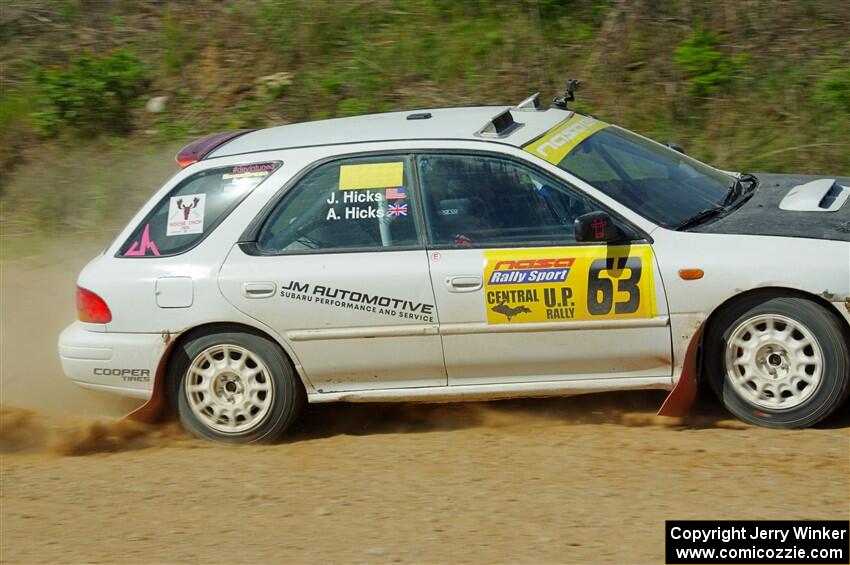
(600,290)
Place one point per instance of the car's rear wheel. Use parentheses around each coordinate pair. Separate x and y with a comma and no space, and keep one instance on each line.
(235,388)
(779,362)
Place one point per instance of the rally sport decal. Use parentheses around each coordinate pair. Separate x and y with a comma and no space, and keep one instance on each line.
(563,284)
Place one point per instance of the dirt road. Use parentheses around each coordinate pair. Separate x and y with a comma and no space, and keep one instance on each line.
(584,479)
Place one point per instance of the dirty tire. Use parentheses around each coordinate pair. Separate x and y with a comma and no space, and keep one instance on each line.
(778,362)
(235,387)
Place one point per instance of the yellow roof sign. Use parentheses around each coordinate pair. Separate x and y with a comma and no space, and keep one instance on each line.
(556,143)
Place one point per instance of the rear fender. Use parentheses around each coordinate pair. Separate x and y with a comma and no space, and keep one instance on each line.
(156,408)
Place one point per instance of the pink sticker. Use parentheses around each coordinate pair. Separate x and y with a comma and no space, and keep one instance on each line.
(254,168)
(599,228)
(140,249)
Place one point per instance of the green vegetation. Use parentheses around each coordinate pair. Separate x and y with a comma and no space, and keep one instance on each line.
(833,91)
(746,86)
(91,95)
(708,69)
(177,43)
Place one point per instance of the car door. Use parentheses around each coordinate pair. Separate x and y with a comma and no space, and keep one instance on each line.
(339,270)
(519,299)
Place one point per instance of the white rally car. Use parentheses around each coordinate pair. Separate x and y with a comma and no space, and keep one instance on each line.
(465,253)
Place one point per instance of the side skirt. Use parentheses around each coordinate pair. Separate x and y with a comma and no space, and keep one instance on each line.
(492,392)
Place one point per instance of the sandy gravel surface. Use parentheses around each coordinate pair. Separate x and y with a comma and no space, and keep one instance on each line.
(576,480)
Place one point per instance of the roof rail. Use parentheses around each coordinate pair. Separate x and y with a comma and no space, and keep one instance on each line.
(500,125)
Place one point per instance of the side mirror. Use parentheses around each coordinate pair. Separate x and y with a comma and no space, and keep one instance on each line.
(596,226)
(676,147)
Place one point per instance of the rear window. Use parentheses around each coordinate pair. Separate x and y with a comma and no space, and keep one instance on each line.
(194,208)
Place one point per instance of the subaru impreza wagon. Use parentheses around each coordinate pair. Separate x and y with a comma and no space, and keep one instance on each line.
(466,253)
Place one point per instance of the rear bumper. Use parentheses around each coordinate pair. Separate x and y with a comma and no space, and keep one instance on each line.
(120,363)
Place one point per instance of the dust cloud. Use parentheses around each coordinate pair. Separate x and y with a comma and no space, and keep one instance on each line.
(37,303)
(26,432)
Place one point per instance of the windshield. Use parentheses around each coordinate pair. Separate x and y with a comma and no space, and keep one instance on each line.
(659,183)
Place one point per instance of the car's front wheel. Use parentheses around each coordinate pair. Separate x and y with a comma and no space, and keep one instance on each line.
(236,388)
(780,362)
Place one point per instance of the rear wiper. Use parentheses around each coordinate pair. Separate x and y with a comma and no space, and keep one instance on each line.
(701,216)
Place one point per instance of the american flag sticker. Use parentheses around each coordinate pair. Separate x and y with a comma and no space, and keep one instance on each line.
(397,209)
(396,194)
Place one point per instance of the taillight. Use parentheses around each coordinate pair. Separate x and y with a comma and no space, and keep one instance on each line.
(200,148)
(92,308)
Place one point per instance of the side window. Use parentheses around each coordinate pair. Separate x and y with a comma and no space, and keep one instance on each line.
(194,208)
(359,203)
(473,200)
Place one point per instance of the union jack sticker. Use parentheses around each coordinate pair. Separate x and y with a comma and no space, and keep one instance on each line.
(397,209)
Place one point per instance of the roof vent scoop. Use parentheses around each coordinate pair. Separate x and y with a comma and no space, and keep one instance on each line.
(501,125)
(821,195)
(531,104)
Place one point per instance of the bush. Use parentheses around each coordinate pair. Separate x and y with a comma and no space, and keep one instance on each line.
(90,95)
(833,90)
(707,67)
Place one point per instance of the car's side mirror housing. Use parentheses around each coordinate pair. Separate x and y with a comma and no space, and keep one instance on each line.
(596,226)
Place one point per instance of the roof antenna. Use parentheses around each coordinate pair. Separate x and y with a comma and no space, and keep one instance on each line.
(569,95)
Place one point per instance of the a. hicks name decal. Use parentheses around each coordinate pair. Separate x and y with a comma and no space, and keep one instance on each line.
(573,283)
(358,301)
(556,144)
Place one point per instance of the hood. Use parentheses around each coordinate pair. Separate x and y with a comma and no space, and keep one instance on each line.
(814,207)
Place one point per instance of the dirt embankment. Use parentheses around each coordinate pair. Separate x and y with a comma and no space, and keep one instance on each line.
(583,479)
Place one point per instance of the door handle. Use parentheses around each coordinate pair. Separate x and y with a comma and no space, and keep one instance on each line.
(258,289)
(464,283)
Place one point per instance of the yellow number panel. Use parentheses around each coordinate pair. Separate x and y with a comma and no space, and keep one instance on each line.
(569,283)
